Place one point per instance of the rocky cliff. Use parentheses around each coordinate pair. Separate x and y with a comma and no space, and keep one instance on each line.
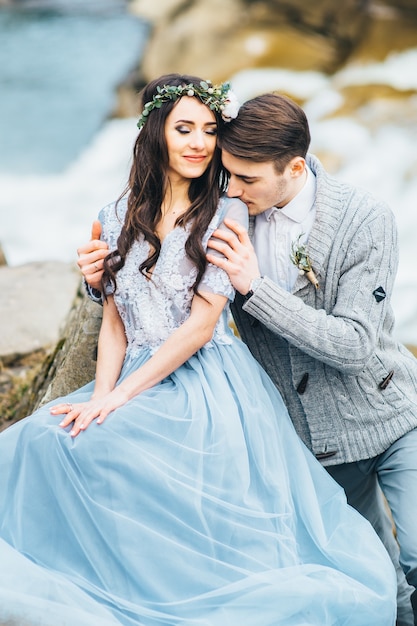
(217,38)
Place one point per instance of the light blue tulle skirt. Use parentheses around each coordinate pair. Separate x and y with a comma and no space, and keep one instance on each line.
(194,504)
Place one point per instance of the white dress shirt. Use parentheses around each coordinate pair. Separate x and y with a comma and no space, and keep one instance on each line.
(276,229)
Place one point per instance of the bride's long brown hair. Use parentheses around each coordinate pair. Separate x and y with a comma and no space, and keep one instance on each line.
(148,184)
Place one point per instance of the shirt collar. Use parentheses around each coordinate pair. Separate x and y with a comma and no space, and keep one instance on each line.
(298,208)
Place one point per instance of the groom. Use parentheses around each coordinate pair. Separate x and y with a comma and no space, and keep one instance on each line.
(314,277)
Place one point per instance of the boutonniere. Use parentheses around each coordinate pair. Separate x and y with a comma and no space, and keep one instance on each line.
(302,261)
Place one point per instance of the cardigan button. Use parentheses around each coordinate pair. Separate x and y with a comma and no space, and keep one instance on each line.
(325,455)
(384,383)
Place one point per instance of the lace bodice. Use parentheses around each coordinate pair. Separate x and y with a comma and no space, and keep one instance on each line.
(152,309)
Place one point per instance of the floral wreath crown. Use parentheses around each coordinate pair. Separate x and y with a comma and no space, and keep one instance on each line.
(219,98)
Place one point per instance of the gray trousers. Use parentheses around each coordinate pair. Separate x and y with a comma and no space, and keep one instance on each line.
(394,475)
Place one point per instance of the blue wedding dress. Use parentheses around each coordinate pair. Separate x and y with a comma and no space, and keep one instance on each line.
(194,504)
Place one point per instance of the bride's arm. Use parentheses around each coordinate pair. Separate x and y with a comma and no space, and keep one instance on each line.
(111,352)
(196,331)
(111,349)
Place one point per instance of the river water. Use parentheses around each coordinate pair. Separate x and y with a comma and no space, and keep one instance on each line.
(62,157)
(60,62)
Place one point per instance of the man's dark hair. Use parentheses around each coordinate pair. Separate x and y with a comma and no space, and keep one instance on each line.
(270,127)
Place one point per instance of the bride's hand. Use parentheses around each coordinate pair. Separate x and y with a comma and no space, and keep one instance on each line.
(81,414)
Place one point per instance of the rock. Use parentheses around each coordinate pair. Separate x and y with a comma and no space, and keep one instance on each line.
(16,383)
(34,306)
(218,38)
(3,260)
(408,7)
(43,375)
(73,362)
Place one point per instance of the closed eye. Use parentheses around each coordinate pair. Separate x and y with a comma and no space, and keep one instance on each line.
(184,130)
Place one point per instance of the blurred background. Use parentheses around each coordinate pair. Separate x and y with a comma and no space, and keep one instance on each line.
(70,71)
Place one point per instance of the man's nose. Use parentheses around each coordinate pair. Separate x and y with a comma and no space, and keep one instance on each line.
(234,189)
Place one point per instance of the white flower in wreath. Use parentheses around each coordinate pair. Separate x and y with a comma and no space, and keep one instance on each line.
(231,107)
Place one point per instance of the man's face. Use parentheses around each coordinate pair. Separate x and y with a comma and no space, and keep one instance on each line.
(259,186)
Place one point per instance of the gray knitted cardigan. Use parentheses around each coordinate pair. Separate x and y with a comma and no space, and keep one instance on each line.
(350,387)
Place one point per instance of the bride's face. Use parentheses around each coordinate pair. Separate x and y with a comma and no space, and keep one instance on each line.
(190,132)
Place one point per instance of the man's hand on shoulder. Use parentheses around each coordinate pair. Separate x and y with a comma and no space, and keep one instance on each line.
(237,255)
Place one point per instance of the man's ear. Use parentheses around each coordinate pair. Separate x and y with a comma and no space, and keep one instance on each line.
(298,166)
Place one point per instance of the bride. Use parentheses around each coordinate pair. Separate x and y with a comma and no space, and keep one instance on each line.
(173,488)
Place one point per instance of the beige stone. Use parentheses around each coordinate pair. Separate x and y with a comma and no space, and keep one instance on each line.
(34,304)
(218,38)
(3,260)
(155,10)
(73,363)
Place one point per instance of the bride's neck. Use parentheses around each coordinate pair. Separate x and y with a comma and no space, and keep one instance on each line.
(176,201)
